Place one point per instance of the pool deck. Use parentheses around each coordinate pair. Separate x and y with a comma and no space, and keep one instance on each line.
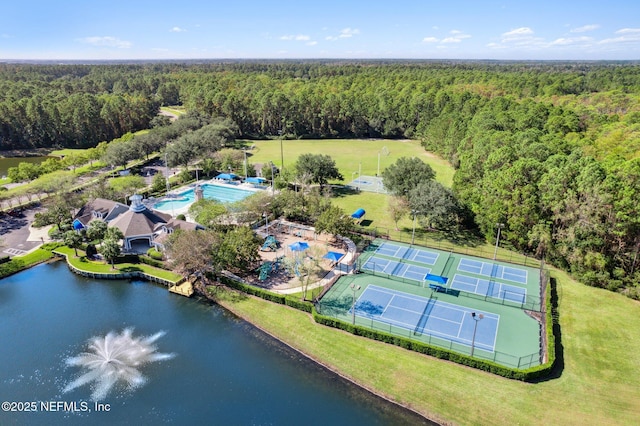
(174,193)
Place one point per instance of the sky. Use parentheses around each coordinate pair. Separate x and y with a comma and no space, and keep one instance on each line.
(304,29)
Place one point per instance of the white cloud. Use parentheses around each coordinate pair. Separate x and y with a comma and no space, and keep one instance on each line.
(628,31)
(518,32)
(348,32)
(177,30)
(519,38)
(585,28)
(627,36)
(299,37)
(107,41)
(571,41)
(456,36)
(344,33)
(312,43)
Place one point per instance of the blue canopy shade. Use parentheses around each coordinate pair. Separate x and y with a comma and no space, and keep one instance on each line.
(358,214)
(226,176)
(333,256)
(437,278)
(299,246)
(255,179)
(77,225)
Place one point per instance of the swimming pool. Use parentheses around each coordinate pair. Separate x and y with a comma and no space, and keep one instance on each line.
(224,194)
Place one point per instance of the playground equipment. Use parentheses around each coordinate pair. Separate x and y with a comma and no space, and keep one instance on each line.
(265,270)
(270,243)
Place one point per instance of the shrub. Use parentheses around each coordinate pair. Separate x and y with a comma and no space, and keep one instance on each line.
(181,217)
(154,254)
(150,261)
(90,250)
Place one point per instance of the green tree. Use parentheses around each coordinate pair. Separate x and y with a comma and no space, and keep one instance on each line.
(320,167)
(114,234)
(239,250)
(207,212)
(398,208)
(125,186)
(119,153)
(334,221)
(406,174)
(437,205)
(96,230)
(59,209)
(73,240)
(110,249)
(158,183)
(191,254)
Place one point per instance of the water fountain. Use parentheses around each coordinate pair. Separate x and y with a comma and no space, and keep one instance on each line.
(115,358)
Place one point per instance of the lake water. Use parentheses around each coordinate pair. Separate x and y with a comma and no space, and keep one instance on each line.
(224,371)
(5,163)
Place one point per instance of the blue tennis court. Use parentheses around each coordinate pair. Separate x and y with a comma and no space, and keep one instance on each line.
(398,269)
(487,269)
(488,288)
(423,315)
(409,253)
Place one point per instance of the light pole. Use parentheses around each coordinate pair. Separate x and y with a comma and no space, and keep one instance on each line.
(245,163)
(266,222)
(413,233)
(476,318)
(166,165)
(281,151)
(353,304)
(495,252)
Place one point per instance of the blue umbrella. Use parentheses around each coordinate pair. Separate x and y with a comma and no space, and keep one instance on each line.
(333,256)
(299,246)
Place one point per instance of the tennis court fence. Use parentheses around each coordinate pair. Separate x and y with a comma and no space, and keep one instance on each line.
(530,303)
(519,362)
(371,233)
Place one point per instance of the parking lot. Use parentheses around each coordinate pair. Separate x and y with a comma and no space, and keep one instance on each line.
(16,235)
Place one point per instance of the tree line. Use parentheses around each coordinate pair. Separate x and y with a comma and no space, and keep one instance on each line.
(550,150)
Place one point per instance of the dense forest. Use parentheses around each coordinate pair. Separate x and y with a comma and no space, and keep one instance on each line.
(551,150)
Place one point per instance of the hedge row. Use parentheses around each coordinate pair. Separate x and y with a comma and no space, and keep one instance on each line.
(153,262)
(139,258)
(529,374)
(268,295)
(422,348)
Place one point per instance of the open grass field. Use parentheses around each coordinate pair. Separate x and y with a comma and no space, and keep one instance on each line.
(350,155)
(174,109)
(598,384)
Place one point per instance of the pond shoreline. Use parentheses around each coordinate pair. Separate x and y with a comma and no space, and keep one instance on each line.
(24,153)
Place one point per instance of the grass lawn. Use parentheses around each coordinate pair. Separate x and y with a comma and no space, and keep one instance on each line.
(350,155)
(176,109)
(100,267)
(598,385)
(66,151)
